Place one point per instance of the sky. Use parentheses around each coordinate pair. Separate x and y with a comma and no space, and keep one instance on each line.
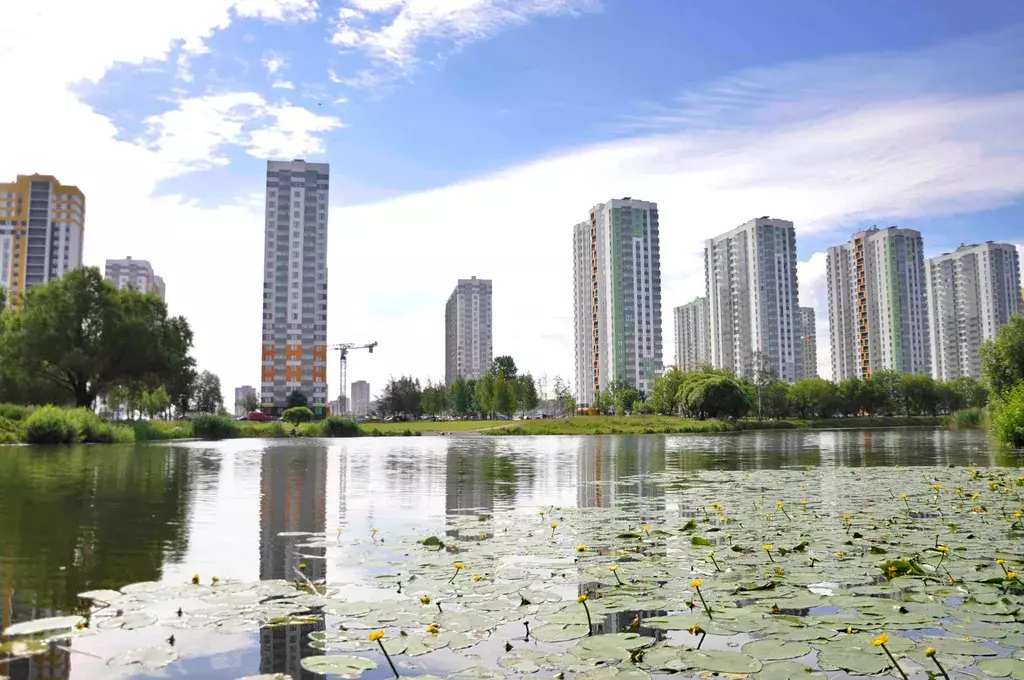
(466,137)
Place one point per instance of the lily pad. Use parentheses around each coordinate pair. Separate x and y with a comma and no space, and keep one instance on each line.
(775,650)
(343,666)
(559,632)
(150,658)
(609,672)
(854,660)
(55,623)
(477,673)
(611,647)
(788,670)
(1003,668)
(721,662)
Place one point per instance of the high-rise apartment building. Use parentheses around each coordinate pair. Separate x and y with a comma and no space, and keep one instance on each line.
(137,274)
(42,230)
(617,281)
(693,334)
(750,275)
(809,340)
(360,398)
(294,356)
(467,330)
(972,292)
(878,319)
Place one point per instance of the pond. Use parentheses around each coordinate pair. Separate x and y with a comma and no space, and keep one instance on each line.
(801,544)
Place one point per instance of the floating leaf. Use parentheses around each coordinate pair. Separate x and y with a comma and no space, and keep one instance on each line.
(788,670)
(344,666)
(52,624)
(559,632)
(1002,668)
(721,662)
(611,647)
(477,673)
(775,650)
(150,658)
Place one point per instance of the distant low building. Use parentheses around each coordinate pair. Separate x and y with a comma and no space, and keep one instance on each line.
(137,274)
(360,398)
(240,395)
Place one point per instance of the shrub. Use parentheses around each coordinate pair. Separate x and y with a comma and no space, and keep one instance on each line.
(10,431)
(340,427)
(49,425)
(297,414)
(14,412)
(89,427)
(1008,416)
(160,430)
(121,434)
(310,430)
(965,419)
(214,427)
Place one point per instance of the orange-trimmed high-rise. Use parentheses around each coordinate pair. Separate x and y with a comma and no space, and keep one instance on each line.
(294,353)
(42,230)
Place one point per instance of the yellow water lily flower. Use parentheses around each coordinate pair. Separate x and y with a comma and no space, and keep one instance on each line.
(942,548)
(459,566)
(613,568)
(697,583)
(581,548)
(476,577)
(769,548)
(880,640)
(433,629)
(581,599)
(1011,574)
(1000,562)
(929,652)
(376,635)
(425,599)
(195,579)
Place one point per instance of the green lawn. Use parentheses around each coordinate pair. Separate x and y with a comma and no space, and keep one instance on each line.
(425,426)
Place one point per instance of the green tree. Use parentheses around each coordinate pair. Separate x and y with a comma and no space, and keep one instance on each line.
(665,390)
(970,392)
(155,402)
(483,395)
(884,392)
(434,399)
(814,398)
(504,365)
(460,396)
(714,396)
(919,395)
(526,393)
(400,399)
(1002,359)
(775,399)
(81,335)
(117,398)
(504,391)
(297,414)
(565,403)
(296,398)
(625,399)
(208,395)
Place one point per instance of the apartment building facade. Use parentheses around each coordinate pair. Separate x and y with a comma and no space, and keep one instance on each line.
(468,323)
(42,233)
(617,307)
(693,335)
(753,299)
(809,340)
(294,349)
(971,292)
(878,316)
(137,274)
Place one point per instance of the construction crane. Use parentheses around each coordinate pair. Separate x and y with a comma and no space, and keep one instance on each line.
(344,348)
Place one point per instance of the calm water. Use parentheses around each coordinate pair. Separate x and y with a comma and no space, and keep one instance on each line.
(76,519)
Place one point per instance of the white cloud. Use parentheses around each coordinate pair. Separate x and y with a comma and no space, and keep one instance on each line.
(814,293)
(390,30)
(193,136)
(278,10)
(283,85)
(272,62)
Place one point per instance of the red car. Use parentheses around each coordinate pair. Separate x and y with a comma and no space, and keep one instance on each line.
(258,416)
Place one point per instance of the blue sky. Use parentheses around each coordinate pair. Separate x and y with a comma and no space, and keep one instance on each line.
(466,136)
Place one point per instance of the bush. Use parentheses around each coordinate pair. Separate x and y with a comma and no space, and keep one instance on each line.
(1008,416)
(89,428)
(14,412)
(10,431)
(310,430)
(341,427)
(214,427)
(966,419)
(297,414)
(49,425)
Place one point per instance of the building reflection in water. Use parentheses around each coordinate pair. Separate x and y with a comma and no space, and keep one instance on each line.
(620,471)
(53,664)
(293,483)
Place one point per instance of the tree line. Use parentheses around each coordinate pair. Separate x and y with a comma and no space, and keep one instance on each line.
(79,338)
(501,391)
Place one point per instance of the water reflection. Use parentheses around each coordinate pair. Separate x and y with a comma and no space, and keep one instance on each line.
(74,519)
(293,488)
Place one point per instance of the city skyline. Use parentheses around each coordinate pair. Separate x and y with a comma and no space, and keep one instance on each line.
(167,135)
(136,274)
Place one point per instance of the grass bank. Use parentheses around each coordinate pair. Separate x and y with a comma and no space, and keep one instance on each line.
(586,425)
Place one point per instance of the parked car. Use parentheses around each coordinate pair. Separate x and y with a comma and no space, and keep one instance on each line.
(258,416)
